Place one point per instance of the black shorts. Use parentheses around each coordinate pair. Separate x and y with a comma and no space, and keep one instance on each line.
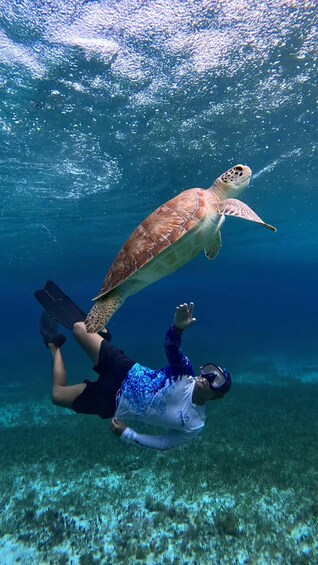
(99,397)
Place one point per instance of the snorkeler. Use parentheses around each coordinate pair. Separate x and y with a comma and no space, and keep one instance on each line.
(172,397)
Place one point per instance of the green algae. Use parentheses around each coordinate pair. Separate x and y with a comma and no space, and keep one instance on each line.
(245,489)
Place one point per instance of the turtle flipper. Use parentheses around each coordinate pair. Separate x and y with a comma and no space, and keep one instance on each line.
(212,251)
(103,310)
(233,207)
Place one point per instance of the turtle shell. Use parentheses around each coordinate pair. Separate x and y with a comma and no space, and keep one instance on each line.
(162,228)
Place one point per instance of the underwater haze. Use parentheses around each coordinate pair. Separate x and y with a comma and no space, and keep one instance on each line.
(107,110)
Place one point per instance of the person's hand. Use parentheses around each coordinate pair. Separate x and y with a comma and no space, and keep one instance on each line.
(117,427)
(183,317)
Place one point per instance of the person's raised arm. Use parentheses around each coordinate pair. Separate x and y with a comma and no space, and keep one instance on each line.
(183,318)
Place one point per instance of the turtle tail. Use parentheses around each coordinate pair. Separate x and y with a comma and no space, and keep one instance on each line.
(103,310)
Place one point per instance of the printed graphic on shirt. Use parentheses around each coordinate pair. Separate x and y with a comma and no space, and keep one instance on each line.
(183,418)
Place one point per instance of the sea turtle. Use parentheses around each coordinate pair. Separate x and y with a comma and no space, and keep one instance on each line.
(170,237)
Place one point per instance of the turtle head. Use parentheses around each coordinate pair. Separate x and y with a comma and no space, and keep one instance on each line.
(232,183)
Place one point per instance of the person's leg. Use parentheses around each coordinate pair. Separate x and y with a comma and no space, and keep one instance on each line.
(89,342)
(62,395)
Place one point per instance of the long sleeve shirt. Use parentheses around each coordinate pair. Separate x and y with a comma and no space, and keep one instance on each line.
(162,398)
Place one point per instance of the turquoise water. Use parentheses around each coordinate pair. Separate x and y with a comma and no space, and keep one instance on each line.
(107,110)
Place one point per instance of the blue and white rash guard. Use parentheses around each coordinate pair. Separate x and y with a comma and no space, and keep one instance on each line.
(162,398)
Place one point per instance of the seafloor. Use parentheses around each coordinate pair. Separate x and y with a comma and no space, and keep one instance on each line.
(246,492)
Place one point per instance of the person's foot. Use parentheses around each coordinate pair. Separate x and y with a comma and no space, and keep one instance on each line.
(49,331)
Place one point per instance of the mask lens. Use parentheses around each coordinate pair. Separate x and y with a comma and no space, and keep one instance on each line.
(209,368)
(214,375)
(218,380)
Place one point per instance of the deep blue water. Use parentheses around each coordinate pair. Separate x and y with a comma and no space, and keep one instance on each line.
(107,110)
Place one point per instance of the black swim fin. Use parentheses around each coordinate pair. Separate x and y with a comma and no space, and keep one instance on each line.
(49,330)
(62,308)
